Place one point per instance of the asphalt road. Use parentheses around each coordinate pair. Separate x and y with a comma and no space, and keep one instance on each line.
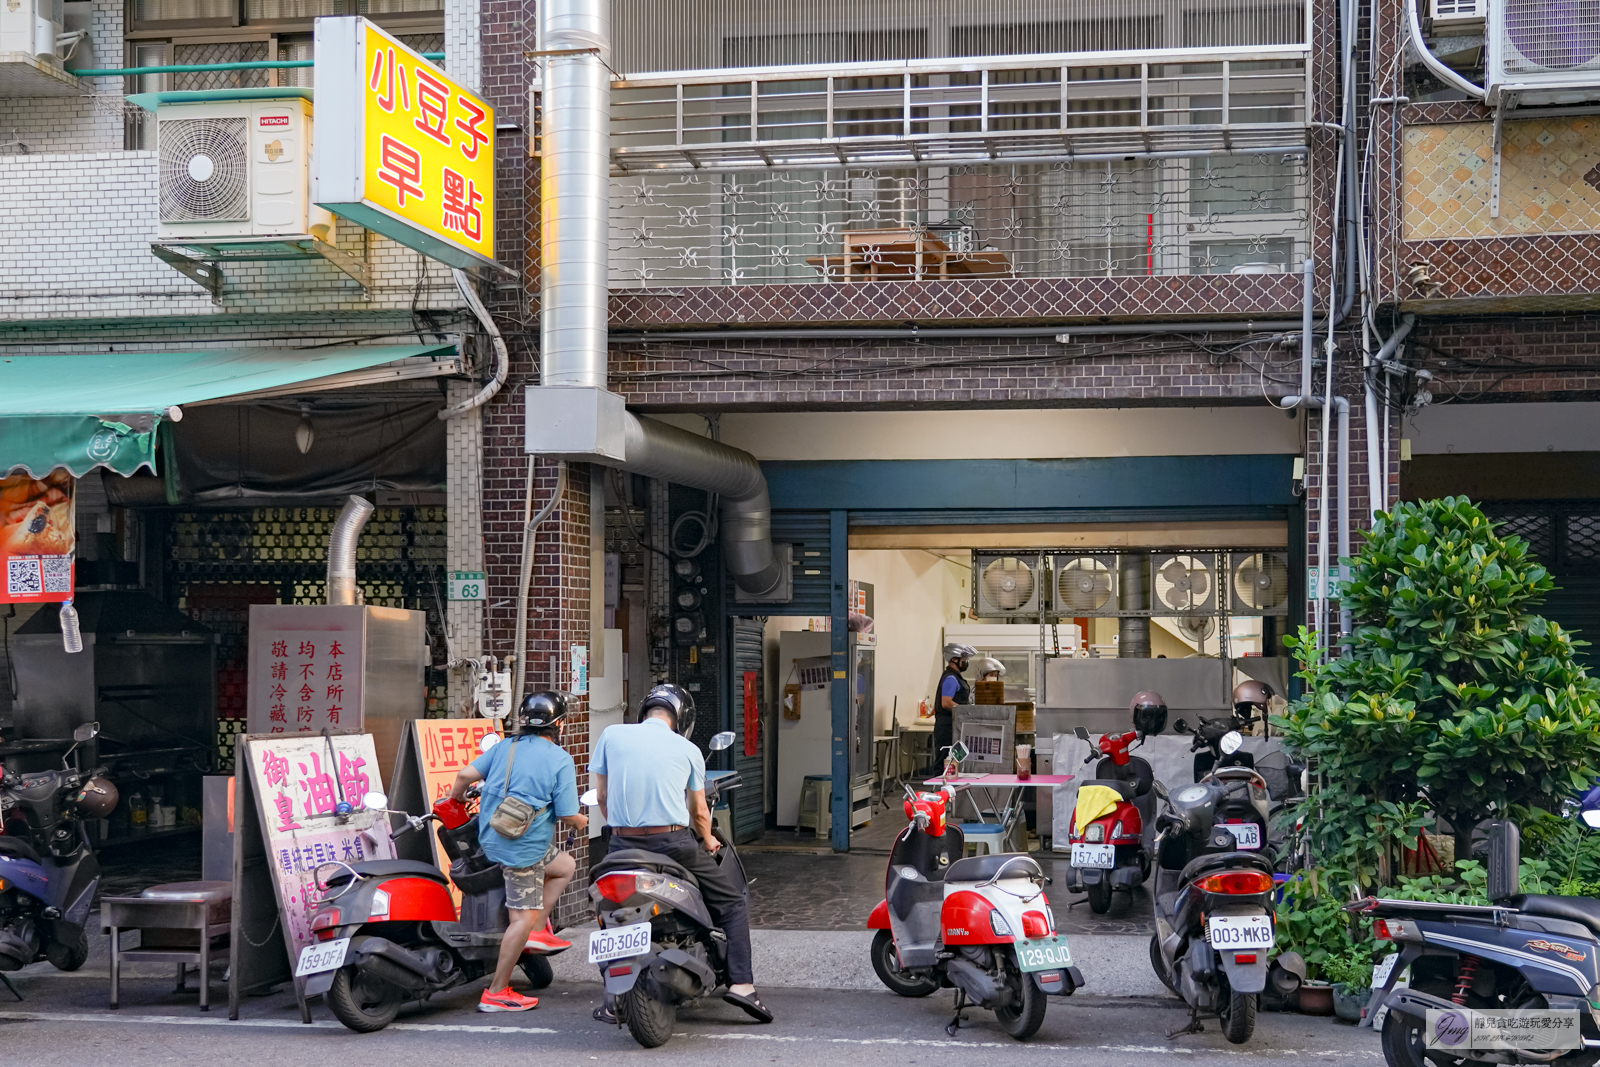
(64,1021)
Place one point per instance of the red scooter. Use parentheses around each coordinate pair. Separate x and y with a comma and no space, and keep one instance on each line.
(1108,853)
(387,930)
(980,924)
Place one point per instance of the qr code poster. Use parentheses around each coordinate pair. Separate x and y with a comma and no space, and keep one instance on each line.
(36,537)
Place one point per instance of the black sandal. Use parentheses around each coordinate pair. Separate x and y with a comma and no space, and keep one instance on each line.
(752,1006)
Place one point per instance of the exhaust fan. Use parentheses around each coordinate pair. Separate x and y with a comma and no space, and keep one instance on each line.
(1260,583)
(1185,584)
(1004,586)
(1085,584)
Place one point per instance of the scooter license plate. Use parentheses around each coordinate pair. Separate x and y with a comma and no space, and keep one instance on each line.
(1247,834)
(619,943)
(1043,954)
(1101,857)
(322,956)
(1240,932)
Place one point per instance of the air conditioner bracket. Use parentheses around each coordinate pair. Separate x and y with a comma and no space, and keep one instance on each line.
(207,275)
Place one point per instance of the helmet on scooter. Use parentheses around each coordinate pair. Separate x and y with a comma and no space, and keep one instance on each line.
(1149,710)
(541,711)
(1250,696)
(675,700)
(96,799)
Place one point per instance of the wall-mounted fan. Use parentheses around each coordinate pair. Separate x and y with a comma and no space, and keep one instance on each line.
(1184,583)
(1085,584)
(1004,586)
(1196,628)
(1260,583)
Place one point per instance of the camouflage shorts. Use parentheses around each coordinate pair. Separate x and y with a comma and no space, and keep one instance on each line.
(525,885)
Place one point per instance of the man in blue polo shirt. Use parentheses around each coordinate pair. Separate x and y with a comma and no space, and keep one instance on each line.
(651,785)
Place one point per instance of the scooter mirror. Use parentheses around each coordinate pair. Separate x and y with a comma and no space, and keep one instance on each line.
(375,801)
(722,741)
(1161,789)
(488,741)
(1591,819)
(1230,742)
(1181,727)
(589,799)
(1080,733)
(87,732)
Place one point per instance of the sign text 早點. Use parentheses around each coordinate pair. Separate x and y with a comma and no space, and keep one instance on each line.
(429,150)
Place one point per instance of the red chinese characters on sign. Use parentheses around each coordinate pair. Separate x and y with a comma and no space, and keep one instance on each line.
(471,125)
(303,684)
(433,101)
(461,200)
(400,165)
(387,75)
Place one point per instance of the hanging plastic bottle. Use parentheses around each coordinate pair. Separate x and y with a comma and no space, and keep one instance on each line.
(71,636)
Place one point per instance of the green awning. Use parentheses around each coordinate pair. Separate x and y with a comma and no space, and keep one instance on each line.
(102,409)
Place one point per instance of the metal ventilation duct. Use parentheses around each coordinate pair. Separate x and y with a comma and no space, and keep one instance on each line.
(570,414)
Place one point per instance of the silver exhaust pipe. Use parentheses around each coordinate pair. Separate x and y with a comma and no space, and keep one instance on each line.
(342,551)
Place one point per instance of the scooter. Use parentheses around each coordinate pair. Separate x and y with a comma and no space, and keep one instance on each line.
(1108,853)
(980,924)
(1520,952)
(657,947)
(48,870)
(386,930)
(1214,900)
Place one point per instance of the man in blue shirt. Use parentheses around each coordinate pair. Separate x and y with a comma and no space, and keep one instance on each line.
(651,785)
(953,690)
(532,767)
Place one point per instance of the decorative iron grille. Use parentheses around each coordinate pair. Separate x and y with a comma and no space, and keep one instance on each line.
(1207,215)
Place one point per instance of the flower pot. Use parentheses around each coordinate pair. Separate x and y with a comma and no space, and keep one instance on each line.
(1348,1001)
(1316,998)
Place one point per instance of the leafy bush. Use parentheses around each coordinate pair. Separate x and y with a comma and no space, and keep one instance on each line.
(1456,700)
(1352,971)
(1311,920)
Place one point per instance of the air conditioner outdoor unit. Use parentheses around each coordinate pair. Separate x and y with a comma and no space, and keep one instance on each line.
(1543,53)
(31,26)
(237,169)
(1450,13)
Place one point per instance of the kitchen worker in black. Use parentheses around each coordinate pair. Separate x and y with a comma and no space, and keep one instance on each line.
(953,690)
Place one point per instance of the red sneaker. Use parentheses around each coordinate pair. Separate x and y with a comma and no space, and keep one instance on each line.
(545,941)
(507,999)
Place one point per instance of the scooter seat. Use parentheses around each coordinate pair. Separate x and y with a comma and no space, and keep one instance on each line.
(1582,910)
(636,859)
(18,849)
(983,868)
(390,869)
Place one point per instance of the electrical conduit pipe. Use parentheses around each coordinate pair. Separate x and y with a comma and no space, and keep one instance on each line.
(1377,474)
(342,551)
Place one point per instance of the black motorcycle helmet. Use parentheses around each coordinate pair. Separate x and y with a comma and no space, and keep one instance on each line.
(675,699)
(540,712)
(1149,710)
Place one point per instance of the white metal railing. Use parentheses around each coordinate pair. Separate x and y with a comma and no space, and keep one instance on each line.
(1169,103)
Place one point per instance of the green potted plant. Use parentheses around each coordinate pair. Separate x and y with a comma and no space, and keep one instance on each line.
(1351,978)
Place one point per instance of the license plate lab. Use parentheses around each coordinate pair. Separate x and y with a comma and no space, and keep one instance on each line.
(619,943)
(322,956)
(1240,932)
(1100,857)
(1246,834)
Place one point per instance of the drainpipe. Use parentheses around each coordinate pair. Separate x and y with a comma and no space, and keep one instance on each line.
(342,551)
(1308,298)
(571,415)
(1377,473)
(1341,408)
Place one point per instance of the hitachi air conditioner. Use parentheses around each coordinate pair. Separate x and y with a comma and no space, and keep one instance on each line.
(237,169)
(1542,52)
(30,26)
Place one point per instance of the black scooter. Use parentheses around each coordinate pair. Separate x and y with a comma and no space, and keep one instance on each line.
(657,946)
(48,870)
(1519,952)
(1214,938)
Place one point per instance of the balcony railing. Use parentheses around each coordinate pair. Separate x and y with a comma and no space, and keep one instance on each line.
(1069,107)
(1114,218)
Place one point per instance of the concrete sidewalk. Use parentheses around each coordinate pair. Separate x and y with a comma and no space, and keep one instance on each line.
(1113,965)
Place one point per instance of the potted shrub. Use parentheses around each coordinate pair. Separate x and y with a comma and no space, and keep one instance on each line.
(1351,979)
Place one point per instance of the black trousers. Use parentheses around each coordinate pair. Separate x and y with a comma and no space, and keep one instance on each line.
(944,735)
(721,885)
